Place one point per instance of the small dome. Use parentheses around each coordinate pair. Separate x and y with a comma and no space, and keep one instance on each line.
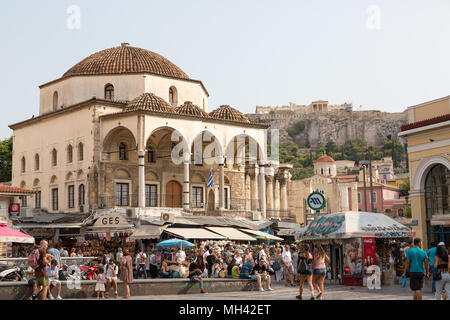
(148,101)
(190,109)
(325,159)
(228,113)
(125,60)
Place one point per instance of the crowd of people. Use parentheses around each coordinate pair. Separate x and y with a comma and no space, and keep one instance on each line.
(293,264)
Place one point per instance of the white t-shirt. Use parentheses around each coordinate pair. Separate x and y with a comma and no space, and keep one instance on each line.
(238,260)
(109,270)
(262,255)
(287,257)
(180,256)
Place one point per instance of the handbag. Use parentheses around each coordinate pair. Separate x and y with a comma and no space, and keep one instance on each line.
(437,276)
(276,266)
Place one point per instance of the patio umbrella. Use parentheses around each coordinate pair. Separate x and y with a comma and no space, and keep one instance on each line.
(175,243)
(8,234)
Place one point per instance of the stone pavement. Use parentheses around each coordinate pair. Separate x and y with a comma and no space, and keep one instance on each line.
(281,292)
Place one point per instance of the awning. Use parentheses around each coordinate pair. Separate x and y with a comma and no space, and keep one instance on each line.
(263,234)
(50,226)
(194,233)
(231,233)
(148,232)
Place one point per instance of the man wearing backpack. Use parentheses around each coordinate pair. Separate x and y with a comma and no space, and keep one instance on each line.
(39,259)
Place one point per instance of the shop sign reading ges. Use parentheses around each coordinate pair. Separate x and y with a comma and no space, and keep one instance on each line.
(111,220)
(316,201)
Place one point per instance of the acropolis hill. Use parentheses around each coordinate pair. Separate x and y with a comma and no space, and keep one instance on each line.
(323,122)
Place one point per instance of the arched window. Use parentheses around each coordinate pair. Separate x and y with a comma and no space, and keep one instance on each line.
(36,162)
(54,157)
(55,101)
(321,170)
(437,191)
(173,96)
(69,154)
(81,195)
(329,171)
(80,152)
(23,163)
(122,151)
(109,92)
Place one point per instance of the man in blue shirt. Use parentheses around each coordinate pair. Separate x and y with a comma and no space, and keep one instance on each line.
(246,271)
(416,258)
(431,253)
(54,251)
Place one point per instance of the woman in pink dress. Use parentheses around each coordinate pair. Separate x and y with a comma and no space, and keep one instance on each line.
(126,272)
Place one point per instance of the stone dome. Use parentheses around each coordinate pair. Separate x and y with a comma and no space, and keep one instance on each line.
(228,113)
(125,59)
(148,101)
(325,159)
(190,109)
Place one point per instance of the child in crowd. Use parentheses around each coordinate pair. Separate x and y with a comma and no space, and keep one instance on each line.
(53,276)
(101,280)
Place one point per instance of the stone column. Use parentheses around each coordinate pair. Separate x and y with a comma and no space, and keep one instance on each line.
(269,192)
(141,200)
(283,197)
(253,189)
(262,191)
(221,184)
(276,196)
(186,181)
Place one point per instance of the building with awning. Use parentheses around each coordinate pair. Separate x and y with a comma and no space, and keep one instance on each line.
(148,232)
(194,233)
(262,234)
(231,233)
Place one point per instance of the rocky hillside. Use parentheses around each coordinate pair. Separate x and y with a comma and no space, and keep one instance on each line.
(312,129)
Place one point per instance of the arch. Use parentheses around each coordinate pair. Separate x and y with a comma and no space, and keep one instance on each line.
(113,140)
(206,148)
(80,151)
(69,176)
(242,148)
(109,92)
(36,162)
(80,174)
(54,157)
(164,140)
(151,176)
(53,180)
(55,100)
(22,165)
(36,183)
(424,168)
(121,173)
(69,153)
(173,96)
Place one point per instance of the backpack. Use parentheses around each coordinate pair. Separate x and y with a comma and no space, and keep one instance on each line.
(303,266)
(33,259)
(276,266)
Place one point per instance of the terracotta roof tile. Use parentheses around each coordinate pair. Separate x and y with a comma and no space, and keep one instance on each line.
(188,108)
(149,101)
(226,112)
(10,189)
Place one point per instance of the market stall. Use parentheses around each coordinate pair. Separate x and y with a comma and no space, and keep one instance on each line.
(352,238)
(10,239)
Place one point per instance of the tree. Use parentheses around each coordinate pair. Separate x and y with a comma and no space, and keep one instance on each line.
(404,188)
(5,159)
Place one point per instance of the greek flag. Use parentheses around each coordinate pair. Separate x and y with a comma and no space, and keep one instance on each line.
(210,180)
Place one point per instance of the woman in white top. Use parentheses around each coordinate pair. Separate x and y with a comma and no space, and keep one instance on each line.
(238,258)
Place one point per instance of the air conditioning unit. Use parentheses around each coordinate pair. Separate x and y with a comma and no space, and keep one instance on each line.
(167,217)
(26,212)
(133,213)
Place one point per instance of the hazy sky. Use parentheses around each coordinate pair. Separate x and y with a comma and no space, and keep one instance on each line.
(384,55)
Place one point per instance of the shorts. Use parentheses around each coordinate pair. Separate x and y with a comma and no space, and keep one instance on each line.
(54,282)
(112,279)
(99,287)
(255,277)
(416,281)
(320,272)
(308,272)
(42,281)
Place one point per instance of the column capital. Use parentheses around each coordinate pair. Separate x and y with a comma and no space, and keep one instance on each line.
(269,178)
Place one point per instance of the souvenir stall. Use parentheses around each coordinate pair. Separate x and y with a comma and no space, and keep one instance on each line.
(353,238)
(107,234)
(11,238)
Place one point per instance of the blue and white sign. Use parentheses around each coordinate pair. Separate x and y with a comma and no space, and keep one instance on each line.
(415,223)
(316,201)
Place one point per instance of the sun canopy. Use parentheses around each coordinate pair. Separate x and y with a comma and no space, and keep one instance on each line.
(175,243)
(8,234)
(354,224)
(264,235)
(194,233)
(231,233)
(148,232)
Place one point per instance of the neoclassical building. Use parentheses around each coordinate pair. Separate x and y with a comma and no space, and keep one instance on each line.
(127,128)
(428,139)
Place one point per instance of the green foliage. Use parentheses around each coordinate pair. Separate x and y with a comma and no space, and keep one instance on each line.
(301,173)
(5,160)
(404,188)
(298,128)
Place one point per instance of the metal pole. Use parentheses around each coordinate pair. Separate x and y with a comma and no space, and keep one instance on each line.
(371,186)
(365,188)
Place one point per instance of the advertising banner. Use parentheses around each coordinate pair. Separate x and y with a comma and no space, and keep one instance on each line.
(353,262)
(369,252)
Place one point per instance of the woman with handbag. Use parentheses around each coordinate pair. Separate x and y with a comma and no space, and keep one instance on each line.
(304,269)
(277,265)
(441,274)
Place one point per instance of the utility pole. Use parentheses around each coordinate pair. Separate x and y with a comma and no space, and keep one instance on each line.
(371,186)
(365,187)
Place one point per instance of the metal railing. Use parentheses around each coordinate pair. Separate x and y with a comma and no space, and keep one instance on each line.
(132,200)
